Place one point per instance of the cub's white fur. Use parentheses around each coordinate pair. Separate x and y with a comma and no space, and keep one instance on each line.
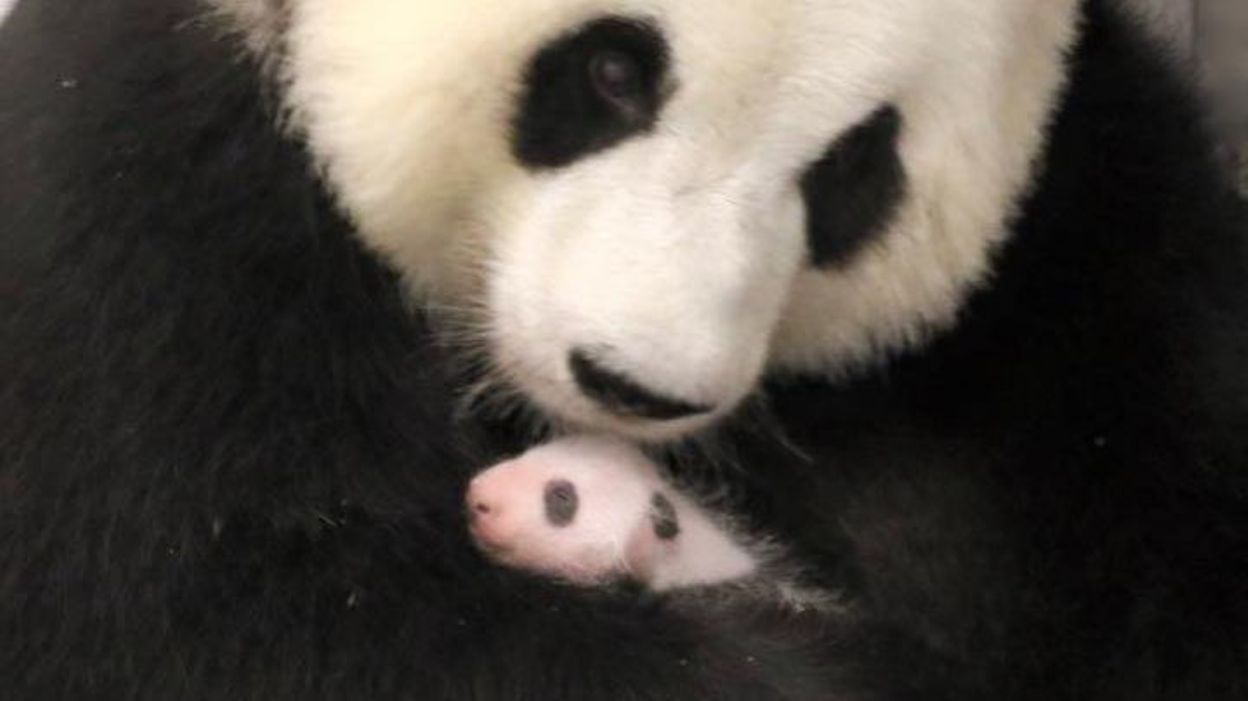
(678,254)
(611,534)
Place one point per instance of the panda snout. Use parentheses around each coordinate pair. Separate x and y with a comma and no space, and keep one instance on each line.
(623,396)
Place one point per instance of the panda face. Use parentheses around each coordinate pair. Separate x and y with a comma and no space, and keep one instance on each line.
(583,509)
(642,205)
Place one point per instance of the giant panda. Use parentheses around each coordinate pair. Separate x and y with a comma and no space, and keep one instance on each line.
(948,297)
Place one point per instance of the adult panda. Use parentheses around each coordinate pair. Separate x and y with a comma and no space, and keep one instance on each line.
(975,255)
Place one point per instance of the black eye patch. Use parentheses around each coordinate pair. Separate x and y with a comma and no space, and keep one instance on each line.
(853,191)
(663,518)
(561,503)
(589,90)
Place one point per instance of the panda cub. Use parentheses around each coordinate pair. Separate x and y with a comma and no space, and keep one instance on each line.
(591,510)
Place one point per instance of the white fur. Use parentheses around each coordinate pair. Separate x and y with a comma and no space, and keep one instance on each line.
(261,23)
(974,125)
(612,533)
(678,255)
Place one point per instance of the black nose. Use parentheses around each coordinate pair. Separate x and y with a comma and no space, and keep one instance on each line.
(621,395)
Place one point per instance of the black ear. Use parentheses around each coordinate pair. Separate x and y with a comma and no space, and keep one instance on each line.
(663,518)
(853,191)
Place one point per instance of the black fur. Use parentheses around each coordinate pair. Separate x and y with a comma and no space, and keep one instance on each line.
(663,518)
(853,191)
(564,115)
(228,469)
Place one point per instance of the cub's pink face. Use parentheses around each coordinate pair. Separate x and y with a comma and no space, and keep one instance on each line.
(569,509)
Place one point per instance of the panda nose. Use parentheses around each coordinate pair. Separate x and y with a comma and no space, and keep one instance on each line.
(624,396)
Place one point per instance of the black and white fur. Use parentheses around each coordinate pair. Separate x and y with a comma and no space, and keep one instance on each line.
(671,243)
(1006,427)
(592,511)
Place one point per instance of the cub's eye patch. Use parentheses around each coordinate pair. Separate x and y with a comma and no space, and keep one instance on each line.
(561,503)
(663,518)
(589,90)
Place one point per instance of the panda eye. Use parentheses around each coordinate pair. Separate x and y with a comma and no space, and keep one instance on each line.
(561,503)
(589,90)
(618,78)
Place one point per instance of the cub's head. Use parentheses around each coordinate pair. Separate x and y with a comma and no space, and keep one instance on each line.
(645,204)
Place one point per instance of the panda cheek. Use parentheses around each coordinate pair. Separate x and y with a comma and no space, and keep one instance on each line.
(854,190)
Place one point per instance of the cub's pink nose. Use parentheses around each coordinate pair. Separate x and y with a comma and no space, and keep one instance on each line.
(482,501)
(487,509)
(489,492)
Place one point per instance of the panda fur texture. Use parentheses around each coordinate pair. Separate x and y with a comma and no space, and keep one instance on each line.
(595,511)
(231,465)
